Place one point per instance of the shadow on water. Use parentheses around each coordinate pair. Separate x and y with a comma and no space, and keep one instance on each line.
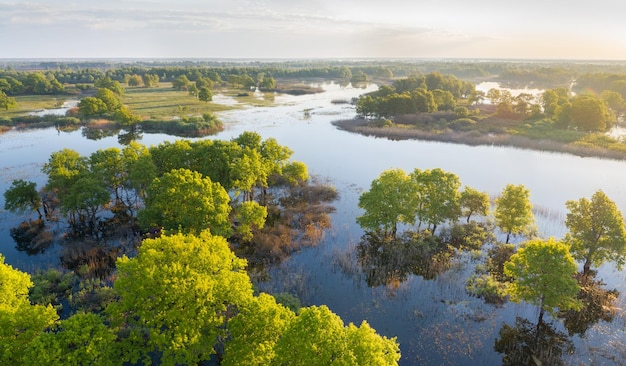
(530,344)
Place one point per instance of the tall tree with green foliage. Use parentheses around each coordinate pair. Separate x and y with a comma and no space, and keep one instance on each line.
(20,322)
(22,196)
(185,200)
(150,80)
(513,210)
(435,196)
(596,231)
(543,275)
(176,296)
(249,215)
(589,113)
(387,203)
(6,102)
(205,95)
(473,201)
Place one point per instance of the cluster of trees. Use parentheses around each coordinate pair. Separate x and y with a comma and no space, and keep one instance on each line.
(106,103)
(182,299)
(540,271)
(585,112)
(423,196)
(30,83)
(428,93)
(180,186)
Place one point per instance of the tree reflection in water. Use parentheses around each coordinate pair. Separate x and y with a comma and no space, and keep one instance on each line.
(385,260)
(598,304)
(32,237)
(529,344)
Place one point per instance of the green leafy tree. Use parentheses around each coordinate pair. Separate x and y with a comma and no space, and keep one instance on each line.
(205,95)
(85,199)
(91,107)
(424,100)
(82,339)
(110,99)
(108,83)
(589,113)
(181,83)
(20,322)
(63,169)
(185,200)
(295,172)
(7,102)
(436,196)
(193,90)
(135,80)
(268,83)
(473,201)
(387,203)
(22,196)
(513,212)
(255,331)
(543,275)
(176,296)
(596,231)
(318,336)
(150,80)
(248,172)
(125,117)
(249,215)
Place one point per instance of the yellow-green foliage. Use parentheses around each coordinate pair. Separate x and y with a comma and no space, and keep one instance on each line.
(20,322)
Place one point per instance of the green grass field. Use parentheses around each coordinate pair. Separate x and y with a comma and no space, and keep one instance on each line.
(160,103)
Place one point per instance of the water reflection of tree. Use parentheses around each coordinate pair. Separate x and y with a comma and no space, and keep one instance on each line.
(98,133)
(32,237)
(598,304)
(129,135)
(529,344)
(385,260)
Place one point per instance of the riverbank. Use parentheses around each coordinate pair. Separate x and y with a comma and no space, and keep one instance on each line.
(475,138)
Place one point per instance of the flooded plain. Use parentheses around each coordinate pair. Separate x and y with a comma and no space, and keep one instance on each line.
(435,320)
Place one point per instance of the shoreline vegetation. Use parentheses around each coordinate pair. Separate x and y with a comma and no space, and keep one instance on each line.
(475,138)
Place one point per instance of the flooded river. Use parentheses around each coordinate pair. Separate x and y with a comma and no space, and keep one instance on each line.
(436,322)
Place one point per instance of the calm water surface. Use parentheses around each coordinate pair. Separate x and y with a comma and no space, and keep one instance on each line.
(435,321)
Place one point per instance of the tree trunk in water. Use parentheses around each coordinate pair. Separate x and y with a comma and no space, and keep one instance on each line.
(587,267)
(508,235)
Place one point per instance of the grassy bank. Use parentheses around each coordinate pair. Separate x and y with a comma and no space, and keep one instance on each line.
(576,144)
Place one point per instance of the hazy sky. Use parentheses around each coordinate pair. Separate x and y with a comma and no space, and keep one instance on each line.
(554,29)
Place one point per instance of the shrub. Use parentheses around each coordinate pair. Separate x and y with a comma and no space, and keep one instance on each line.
(462,124)
(486,287)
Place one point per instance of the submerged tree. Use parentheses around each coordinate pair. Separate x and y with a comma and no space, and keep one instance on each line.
(474,202)
(543,275)
(596,231)
(386,204)
(22,196)
(513,211)
(435,196)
